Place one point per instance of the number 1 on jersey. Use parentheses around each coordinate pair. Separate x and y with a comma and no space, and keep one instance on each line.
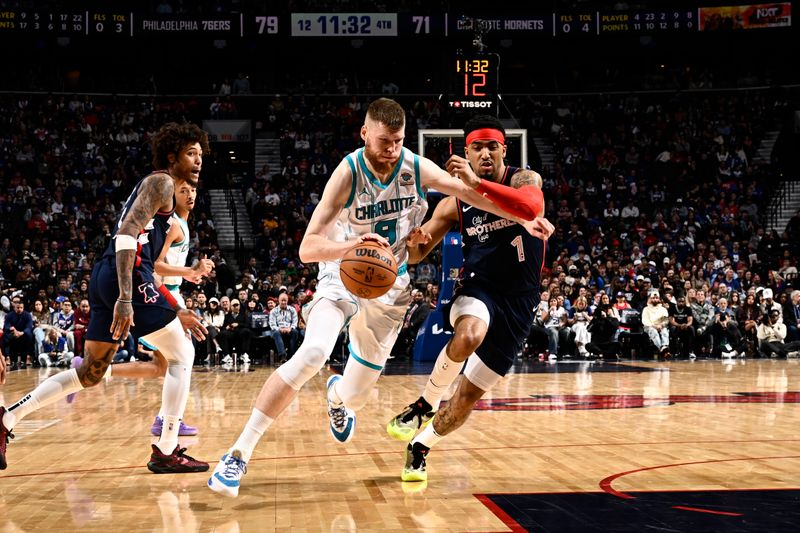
(387,229)
(517,243)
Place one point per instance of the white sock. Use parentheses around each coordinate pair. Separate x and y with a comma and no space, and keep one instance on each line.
(49,391)
(174,394)
(428,437)
(252,432)
(445,372)
(169,434)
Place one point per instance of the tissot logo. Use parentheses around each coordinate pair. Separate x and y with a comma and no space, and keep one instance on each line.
(471,104)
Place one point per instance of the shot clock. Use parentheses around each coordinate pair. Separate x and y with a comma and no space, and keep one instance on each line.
(472,84)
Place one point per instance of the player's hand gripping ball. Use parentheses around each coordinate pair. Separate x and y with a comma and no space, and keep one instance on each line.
(368,270)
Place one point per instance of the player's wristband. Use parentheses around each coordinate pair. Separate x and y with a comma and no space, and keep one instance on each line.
(124,301)
(525,202)
(125,242)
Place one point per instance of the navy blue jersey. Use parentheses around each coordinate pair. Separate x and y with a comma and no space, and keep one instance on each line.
(150,240)
(499,252)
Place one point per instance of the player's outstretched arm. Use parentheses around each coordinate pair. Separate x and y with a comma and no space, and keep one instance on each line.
(525,204)
(442,219)
(464,188)
(316,246)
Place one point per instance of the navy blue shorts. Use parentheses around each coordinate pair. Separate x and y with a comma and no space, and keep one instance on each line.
(151,310)
(510,320)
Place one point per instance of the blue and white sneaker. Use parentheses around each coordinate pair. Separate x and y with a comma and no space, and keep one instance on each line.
(227,474)
(343,420)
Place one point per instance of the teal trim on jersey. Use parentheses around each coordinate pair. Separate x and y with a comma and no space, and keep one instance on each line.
(420,192)
(402,269)
(184,229)
(373,179)
(349,160)
(172,288)
(367,364)
(147,345)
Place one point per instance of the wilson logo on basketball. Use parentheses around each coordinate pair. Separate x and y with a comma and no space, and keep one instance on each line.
(366,252)
(368,270)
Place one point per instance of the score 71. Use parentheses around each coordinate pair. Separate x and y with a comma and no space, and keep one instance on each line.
(270,24)
(422,23)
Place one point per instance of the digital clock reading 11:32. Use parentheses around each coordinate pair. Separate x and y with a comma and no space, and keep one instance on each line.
(476,76)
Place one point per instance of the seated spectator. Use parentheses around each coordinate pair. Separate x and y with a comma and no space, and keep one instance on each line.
(791,316)
(236,335)
(283,327)
(418,310)
(771,336)
(42,323)
(579,318)
(748,318)
(703,318)
(727,337)
(81,322)
(64,320)
(681,328)
(18,334)
(555,320)
(603,329)
(655,319)
(54,350)
(214,320)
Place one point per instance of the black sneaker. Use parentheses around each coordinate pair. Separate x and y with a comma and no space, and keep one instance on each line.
(415,463)
(175,463)
(417,415)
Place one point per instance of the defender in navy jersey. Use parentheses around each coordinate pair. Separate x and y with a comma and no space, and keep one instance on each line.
(124,296)
(494,301)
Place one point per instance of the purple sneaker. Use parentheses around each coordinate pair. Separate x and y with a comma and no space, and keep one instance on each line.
(184,431)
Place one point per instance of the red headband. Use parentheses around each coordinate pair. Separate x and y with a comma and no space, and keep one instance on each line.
(486,134)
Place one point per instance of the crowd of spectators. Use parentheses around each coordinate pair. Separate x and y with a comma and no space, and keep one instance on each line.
(648,193)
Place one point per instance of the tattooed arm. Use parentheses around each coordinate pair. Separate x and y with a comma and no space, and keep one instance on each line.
(155,194)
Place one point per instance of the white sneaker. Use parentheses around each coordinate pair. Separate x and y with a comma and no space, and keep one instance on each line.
(342,420)
(245,358)
(728,355)
(552,357)
(792,355)
(228,474)
(227,360)
(692,356)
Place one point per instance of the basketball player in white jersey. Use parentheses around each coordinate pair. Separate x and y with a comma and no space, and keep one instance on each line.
(171,267)
(377,193)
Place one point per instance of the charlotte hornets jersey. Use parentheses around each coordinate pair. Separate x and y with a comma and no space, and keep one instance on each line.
(177,253)
(150,240)
(390,209)
(499,251)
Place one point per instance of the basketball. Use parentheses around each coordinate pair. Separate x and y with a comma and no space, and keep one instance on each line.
(368,270)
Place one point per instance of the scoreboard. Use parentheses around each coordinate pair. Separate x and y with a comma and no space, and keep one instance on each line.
(119,22)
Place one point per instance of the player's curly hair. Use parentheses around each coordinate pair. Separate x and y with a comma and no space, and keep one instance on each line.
(479,122)
(172,138)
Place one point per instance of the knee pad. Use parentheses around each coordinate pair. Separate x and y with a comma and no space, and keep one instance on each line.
(307,361)
(468,305)
(173,344)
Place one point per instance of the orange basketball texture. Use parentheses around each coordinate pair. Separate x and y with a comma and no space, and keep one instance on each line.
(368,270)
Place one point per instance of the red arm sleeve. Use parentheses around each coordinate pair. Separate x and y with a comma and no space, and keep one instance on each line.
(525,202)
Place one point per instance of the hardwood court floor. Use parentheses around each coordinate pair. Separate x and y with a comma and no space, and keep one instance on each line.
(682,446)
